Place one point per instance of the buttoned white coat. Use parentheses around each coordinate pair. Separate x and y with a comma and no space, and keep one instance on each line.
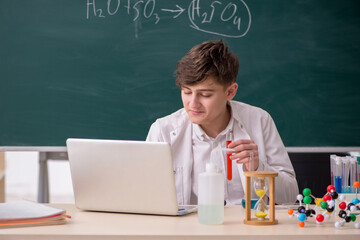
(176,129)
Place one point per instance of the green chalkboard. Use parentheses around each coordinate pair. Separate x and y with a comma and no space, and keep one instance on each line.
(105,68)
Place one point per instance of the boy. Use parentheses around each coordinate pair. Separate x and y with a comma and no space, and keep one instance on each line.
(198,132)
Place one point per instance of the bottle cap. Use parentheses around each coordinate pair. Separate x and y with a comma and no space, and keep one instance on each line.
(211,167)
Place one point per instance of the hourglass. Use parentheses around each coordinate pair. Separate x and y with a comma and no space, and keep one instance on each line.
(261,210)
(265,215)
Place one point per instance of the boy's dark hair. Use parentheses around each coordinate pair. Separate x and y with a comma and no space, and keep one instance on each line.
(211,58)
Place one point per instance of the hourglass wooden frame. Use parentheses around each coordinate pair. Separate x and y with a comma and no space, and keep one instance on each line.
(254,221)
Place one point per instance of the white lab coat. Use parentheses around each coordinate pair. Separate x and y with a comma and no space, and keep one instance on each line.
(176,129)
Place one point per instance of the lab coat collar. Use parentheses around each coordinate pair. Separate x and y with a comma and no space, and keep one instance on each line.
(237,115)
(198,132)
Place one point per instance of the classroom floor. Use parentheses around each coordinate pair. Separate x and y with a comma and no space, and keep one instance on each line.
(21,178)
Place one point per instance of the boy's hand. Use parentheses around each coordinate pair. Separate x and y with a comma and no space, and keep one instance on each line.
(242,149)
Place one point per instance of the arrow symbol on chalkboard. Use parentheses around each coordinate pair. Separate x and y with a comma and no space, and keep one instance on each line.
(180,10)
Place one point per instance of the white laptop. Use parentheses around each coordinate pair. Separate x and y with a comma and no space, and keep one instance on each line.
(123,176)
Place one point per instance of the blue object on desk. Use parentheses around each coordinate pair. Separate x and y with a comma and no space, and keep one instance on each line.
(253,202)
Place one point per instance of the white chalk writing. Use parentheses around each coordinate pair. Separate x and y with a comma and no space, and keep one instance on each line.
(221,17)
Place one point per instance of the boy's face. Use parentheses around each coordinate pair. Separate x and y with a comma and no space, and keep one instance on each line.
(205,103)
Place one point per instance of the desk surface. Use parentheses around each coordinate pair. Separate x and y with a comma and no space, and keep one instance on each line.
(95,225)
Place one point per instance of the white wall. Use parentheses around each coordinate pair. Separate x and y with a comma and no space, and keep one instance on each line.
(21,178)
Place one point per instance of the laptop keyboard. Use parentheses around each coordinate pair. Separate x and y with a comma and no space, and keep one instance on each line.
(187,207)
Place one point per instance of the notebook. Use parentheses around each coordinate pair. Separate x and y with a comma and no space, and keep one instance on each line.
(123,176)
(23,213)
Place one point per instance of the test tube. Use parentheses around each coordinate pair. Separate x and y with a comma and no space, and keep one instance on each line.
(338,174)
(358,168)
(251,162)
(345,175)
(229,161)
(352,170)
(332,160)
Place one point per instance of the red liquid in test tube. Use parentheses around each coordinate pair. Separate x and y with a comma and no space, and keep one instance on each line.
(229,161)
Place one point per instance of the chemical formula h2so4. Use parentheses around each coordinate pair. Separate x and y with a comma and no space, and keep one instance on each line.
(223,18)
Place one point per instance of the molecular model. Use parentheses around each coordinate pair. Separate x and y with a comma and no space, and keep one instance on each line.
(347,209)
(326,206)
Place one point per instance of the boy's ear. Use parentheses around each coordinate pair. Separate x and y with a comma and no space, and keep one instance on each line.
(231,91)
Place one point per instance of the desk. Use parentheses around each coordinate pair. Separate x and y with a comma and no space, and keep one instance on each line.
(92,225)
